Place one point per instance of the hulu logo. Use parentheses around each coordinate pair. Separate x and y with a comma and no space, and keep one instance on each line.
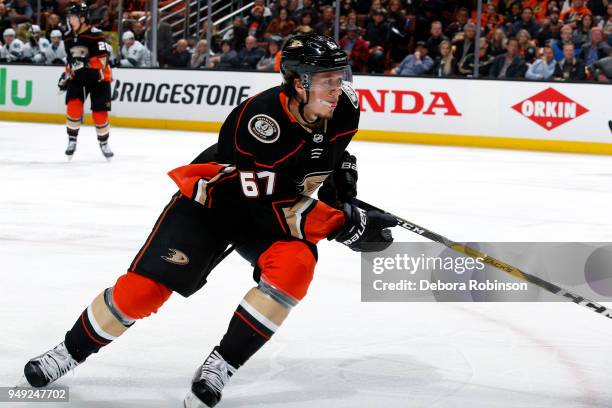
(15,98)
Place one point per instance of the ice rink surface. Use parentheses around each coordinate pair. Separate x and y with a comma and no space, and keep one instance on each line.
(68,229)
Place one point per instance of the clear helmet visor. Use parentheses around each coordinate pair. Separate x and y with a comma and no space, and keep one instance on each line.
(330,81)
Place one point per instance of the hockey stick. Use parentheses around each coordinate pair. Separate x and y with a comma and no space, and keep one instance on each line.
(496,263)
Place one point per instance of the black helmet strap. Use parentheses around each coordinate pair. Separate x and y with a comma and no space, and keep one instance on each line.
(306,80)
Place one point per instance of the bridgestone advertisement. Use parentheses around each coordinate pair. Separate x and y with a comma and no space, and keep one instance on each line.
(393,108)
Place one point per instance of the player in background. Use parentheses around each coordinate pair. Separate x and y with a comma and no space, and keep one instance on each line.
(12,50)
(34,49)
(55,53)
(87,73)
(133,53)
(280,146)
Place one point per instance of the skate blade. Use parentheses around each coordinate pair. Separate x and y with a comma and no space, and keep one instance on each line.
(69,157)
(191,401)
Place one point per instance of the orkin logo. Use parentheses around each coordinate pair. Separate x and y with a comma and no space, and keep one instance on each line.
(407,102)
(15,98)
(550,108)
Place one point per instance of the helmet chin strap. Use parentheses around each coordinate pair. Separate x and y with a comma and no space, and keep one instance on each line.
(301,111)
(302,104)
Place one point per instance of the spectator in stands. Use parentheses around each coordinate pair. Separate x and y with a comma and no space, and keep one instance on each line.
(527,22)
(215,41)
(280,4)
(356,48)
(307,8)
(377,33)
(267,13)
(497,42)
(461,19)
(281,25)
(198,58)
(566,38)
(510,64)
(55,53)
(292,8)
(399,36)
(48,7)
(249,56)
(138,29)
(54,23)
(349,20)
(97,10)
(225,59)
(305,25)
(570,67)
(418,63)
(326,25)
(237,34)
(550,28)
(582,34)
(346,7)
(465,42)
(436,38)
(544,67)
(257,23)
(602,70)
(164,42)
(180,57)
(513,16)
(107,23)
(133,53)
(445,64)
(20,11)
(575,13)
(466,66)
(491,19)
(5,21)
(268,61)
(527,47)
(595,49)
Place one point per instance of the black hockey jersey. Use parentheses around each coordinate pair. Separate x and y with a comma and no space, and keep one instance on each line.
(273,165)
(84,55)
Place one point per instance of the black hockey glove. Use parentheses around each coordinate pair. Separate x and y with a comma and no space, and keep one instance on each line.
(62,83)
(365,231)
(341,186)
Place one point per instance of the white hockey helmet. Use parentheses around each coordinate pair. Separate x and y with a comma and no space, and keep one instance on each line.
(34,28)
(56,34)
(9,32)
(128,35)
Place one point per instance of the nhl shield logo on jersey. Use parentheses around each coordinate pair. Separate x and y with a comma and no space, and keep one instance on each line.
(317,138)
(264,128)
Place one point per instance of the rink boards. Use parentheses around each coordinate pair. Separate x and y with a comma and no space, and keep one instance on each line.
(546,116)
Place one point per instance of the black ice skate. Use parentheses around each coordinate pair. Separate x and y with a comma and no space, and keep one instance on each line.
(106,151)
(50,366)
(208,382)
(72,143)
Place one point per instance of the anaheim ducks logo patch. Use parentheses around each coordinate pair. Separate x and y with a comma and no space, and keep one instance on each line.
(264,128)
(176,257)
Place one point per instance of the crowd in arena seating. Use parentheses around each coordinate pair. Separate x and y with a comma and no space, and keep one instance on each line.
(532,39)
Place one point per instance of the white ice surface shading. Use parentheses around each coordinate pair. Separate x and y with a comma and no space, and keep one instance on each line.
(69,229)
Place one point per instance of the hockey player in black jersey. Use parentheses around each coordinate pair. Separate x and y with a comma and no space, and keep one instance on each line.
(87,73)
(277,147)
